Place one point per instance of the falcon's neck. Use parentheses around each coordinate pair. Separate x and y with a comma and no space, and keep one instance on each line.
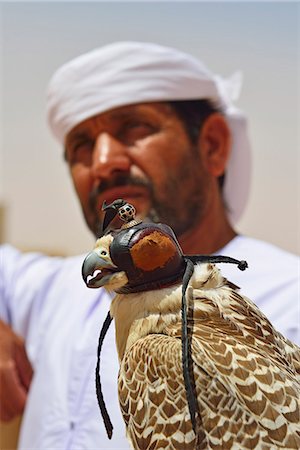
(142,313)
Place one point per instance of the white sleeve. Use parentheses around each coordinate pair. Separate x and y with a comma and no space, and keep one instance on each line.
(24,281)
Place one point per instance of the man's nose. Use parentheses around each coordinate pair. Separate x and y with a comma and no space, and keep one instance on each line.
(110,156)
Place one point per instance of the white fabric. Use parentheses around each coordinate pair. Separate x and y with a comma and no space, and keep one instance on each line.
(46,301)
(124,73)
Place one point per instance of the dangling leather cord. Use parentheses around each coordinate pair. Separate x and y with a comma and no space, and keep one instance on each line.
(185,342)
(215,259)
(105,416)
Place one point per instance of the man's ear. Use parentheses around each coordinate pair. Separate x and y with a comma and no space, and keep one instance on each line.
(214,144)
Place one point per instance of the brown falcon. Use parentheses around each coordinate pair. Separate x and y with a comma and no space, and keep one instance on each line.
(200,366)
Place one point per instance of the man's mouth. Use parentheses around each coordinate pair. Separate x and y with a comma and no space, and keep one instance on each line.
(128,193)
(122,186)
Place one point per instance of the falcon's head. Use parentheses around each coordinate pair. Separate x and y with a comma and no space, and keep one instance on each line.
(137,257)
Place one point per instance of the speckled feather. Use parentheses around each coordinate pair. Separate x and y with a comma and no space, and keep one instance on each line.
(247,375)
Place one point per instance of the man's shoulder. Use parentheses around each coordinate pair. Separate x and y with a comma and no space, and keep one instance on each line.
(261,252)
(270,268)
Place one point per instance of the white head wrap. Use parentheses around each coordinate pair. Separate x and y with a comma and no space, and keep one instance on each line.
(125,73)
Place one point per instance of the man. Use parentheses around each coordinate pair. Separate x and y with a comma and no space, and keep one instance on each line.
(151,125)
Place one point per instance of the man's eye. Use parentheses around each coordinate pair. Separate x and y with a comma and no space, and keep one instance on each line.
(80,152)
(133,131)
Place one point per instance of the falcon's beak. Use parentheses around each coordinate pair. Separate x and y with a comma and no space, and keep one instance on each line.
(97,272)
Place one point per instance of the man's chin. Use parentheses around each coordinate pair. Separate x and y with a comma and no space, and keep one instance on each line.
(151,216)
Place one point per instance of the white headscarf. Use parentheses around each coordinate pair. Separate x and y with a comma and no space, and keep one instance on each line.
(125,73)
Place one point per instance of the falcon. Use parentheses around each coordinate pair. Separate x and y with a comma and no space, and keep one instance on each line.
(201,367)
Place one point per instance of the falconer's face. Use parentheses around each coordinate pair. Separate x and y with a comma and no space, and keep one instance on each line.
(140,153)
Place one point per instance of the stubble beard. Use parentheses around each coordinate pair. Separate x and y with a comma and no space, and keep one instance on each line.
(182,211)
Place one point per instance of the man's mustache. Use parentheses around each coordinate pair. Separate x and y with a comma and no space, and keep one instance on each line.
(118,181)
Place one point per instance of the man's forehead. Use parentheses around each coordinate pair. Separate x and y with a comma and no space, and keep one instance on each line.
(138,108)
